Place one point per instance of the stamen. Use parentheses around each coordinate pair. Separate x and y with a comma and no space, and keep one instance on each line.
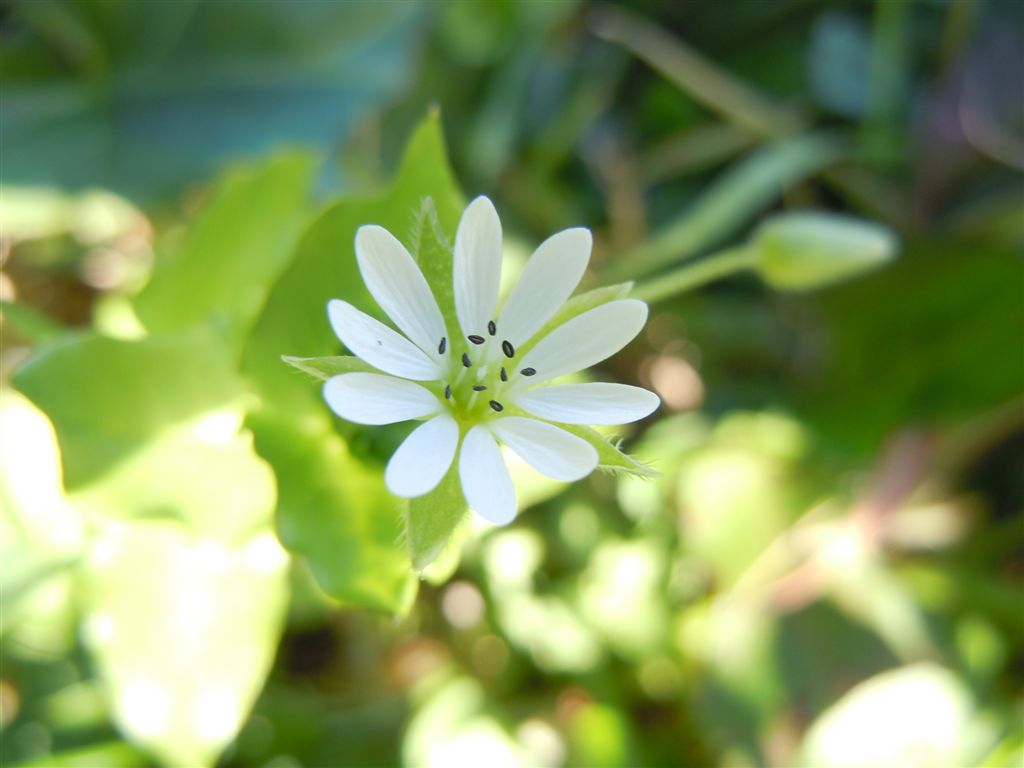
(491,327)
(448,392)
(479,387)
(528,371)
(442,346)
(504,376)
(498,407)
(465,360)
(508,349)
(476,339)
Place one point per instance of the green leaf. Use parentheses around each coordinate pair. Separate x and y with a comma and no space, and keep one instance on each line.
(233,251)
(610,458)
(432,520)
(332,508)
(146,97)
(335,511)
(183,631)
(108,398)
(230,490)
(41,534)
(323,368)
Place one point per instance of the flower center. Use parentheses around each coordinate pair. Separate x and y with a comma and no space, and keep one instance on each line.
(480,380)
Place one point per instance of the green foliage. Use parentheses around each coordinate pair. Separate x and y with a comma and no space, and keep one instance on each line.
(220,272)
(323,511)
(150,96)
(146,388)
(183,631)
(812,556)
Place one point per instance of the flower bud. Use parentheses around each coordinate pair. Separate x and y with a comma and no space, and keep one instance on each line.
(804,250)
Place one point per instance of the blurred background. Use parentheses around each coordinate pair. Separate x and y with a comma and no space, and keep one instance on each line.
(827,572)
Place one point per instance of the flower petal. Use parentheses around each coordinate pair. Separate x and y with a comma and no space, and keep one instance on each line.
(586,339)
(548,279)
(423,458)
(546,448)
(398,286)
(597,403)
(373,398)
(378,345)
(476,266)
(486,482)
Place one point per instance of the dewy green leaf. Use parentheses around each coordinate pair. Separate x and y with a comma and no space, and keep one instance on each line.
(183,631)
(352,537)
(233,251)
(324,367)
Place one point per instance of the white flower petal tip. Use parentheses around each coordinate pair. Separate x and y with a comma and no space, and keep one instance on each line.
(486,483)
(398,286)
(548,280)
(378,345)
(548,449)
(597,403)
(476,266)
(373,398)
(587,339)
(422,460)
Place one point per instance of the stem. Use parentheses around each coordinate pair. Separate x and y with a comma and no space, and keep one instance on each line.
(733,199)
(715,266)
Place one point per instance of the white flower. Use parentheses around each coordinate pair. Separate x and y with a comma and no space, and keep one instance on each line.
(478,389)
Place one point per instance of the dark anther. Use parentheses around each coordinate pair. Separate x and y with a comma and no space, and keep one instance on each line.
(491,327)
(448,392)
(528,371)
(508,349)
(479,387)
(497,406)
(504,376)
(465,360)
(476,339)
(442,346)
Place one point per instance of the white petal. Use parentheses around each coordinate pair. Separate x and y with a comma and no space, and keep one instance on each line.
(398,286)
(586,339)
(476,266)
(378,345)
(485,479)
(422,460)
(548,449)
(597,403)
(373,398)
(548,279)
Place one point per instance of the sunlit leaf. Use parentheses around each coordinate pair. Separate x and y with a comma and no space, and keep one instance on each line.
(183,631)
(222,269)
(108,398)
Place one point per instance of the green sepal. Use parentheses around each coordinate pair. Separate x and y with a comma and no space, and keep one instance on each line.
(610,458)
(324,368)
(433,519)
